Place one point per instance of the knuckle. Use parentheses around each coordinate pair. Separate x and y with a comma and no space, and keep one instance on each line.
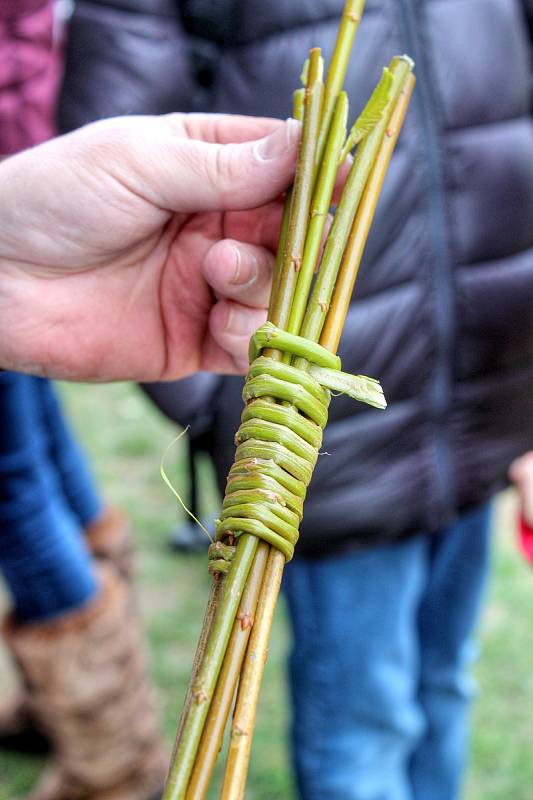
(224,171)
(105,140)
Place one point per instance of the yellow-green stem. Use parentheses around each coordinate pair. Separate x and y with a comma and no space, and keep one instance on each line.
(238,758)
(250,683)
(215,724)
(209,616)
(351,16)
(297,113)
(301,195)
(319,212)
(346,278)
(204,686)
(288,289)
(319,302)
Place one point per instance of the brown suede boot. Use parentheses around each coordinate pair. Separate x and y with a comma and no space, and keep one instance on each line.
(18,729)
(88,689)
(109,540)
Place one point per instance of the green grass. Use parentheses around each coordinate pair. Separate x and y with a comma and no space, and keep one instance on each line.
(126,438)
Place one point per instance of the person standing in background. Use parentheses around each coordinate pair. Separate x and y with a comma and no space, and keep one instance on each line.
(64,554)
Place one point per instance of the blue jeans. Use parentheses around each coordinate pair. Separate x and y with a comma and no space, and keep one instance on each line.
(47,497)
(379,672)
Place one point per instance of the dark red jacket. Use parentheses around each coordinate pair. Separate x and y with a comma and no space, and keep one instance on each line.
(526,539)
(29,71)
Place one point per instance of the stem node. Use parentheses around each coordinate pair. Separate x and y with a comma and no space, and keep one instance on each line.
(246,621)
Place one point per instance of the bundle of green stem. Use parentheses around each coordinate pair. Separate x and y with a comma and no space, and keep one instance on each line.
(293,370)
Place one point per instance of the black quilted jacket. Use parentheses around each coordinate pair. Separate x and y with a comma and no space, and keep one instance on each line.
(443,312)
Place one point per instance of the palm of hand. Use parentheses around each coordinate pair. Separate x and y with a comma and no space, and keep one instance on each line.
(155,308)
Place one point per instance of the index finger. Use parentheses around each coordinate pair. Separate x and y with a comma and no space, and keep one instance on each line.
(223,128)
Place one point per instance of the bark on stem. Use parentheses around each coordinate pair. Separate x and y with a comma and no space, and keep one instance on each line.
(301,195)
(319,303)
(250,683)
(207,624)
(297,113)
(215,724)
(319,211)
(204,687)
(351,16)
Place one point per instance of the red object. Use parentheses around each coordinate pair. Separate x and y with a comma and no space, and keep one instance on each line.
(29,73)
(526,539)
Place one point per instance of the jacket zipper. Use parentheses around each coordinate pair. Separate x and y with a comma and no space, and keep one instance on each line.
(444,307)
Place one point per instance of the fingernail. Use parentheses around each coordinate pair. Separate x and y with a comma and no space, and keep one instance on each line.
(279,141)
(236,276)
(245,270)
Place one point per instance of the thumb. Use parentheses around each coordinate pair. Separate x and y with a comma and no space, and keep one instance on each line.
(232,176)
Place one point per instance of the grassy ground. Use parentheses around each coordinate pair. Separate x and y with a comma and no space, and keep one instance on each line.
(126,438)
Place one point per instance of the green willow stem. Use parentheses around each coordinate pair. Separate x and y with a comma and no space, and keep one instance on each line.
(250,683)
(284,378)
(281,423)
(247,698)
(219,709)
(195,714)
(298,104)
(204,686)
(297,113)
(261,511)
(282,246)
(351,17)
(210,611)
(319,211)
(301,195)
(260,409)
(246,705)
(318,305)
(274,432)
(268,335)
(361,227)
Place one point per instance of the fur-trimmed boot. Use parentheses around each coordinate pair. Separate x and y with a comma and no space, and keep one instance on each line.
(88,690)
(109,540)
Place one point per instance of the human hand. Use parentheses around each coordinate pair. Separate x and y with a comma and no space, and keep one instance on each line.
(128,249)
(521,474)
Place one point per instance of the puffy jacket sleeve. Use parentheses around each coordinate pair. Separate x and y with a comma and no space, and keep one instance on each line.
(189,401)
(528,7)
(125,57)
